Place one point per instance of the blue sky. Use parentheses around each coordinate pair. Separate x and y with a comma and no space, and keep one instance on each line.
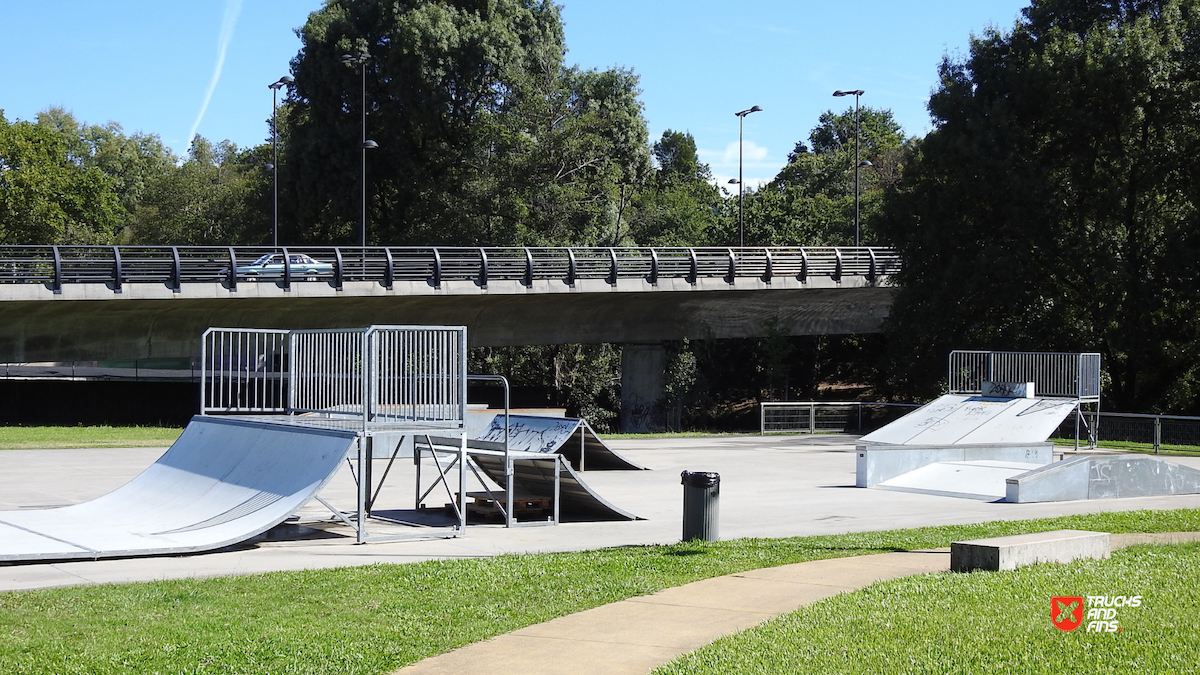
(171,68)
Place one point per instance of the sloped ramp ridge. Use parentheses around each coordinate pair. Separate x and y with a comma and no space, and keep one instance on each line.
(536,477)
(222,482)
(957,419)
(571,437)
(1103,477)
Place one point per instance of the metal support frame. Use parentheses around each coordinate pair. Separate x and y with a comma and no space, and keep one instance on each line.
(406,379)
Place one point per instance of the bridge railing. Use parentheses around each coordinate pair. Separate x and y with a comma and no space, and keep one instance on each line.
(174,266)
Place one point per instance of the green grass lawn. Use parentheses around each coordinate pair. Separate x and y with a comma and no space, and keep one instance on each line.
(375,619)
(22,438)
(983,622)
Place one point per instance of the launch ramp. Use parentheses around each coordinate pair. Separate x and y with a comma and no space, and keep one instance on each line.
(537,477)
(222,482)
(571,437)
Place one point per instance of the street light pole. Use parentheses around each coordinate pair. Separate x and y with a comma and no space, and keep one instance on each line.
(741,215)
(856,93)
(364,145)
(284,81)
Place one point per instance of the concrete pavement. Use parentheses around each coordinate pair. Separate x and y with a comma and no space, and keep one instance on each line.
(772,486)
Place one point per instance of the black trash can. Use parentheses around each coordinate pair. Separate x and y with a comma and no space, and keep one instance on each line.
(701,502)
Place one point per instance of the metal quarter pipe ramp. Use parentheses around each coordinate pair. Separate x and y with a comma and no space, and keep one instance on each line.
(222,482)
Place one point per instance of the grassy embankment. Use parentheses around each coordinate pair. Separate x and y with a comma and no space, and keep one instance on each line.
(986,622)
(22,438)
(374,619)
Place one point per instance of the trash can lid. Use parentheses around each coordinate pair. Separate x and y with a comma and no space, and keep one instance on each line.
(702,479)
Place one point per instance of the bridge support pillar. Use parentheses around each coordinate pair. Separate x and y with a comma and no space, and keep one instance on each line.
(643,384)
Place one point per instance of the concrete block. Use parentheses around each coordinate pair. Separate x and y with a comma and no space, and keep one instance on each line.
(1009,553)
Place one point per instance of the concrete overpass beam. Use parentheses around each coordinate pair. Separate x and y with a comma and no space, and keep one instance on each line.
(643,384)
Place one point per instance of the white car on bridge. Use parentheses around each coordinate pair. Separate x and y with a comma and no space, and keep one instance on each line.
(270,266)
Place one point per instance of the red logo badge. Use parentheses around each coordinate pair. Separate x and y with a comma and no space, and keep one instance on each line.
(1066,612)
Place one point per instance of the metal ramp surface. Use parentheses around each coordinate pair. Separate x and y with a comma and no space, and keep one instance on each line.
(536,477)
(571,437)
(222,482)
(957,419)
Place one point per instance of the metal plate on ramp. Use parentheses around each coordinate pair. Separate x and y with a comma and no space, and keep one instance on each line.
(956,419)
(222,482)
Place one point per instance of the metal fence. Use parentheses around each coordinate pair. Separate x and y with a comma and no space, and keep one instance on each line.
(1135,431)
(1054,374)
(243,370)
(174,266)
(379,375)
(813,417)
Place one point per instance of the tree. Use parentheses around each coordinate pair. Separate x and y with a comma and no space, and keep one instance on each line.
(1053,206)
(811,200)
(45,197)
(130,162)
(678,205)
(484,135)
(218,196)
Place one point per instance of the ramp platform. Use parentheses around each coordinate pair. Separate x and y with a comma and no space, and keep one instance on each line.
(222,482)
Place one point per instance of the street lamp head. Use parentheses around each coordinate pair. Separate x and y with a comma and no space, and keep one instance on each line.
(369,145)
(747,111)
(734,181)
(269,167)
(358,58)
(850,92)
(865,163)
(285,81)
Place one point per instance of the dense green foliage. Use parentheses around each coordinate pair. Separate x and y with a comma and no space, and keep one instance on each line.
(485,135)
(1054,206)
(45,197)
(65,182)
(811,201)
(375,619)
(987,622)
(1051,208)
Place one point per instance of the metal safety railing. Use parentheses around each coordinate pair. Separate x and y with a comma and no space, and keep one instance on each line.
(1142,432)
(243,370)
(378,375)
(812,417)
(1054,374)
(174,266)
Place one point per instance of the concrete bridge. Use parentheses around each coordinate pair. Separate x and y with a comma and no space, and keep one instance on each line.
(109,304)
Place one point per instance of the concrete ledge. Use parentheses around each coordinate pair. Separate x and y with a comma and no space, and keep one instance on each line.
(1009,553)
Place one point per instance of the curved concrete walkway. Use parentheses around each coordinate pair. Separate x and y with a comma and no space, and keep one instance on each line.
(636,635)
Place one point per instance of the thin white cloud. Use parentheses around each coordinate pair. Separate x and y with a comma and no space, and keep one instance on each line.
(751,152)
(233,8)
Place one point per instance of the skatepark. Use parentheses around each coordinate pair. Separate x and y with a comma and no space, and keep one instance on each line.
(379,467)
(774,486)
